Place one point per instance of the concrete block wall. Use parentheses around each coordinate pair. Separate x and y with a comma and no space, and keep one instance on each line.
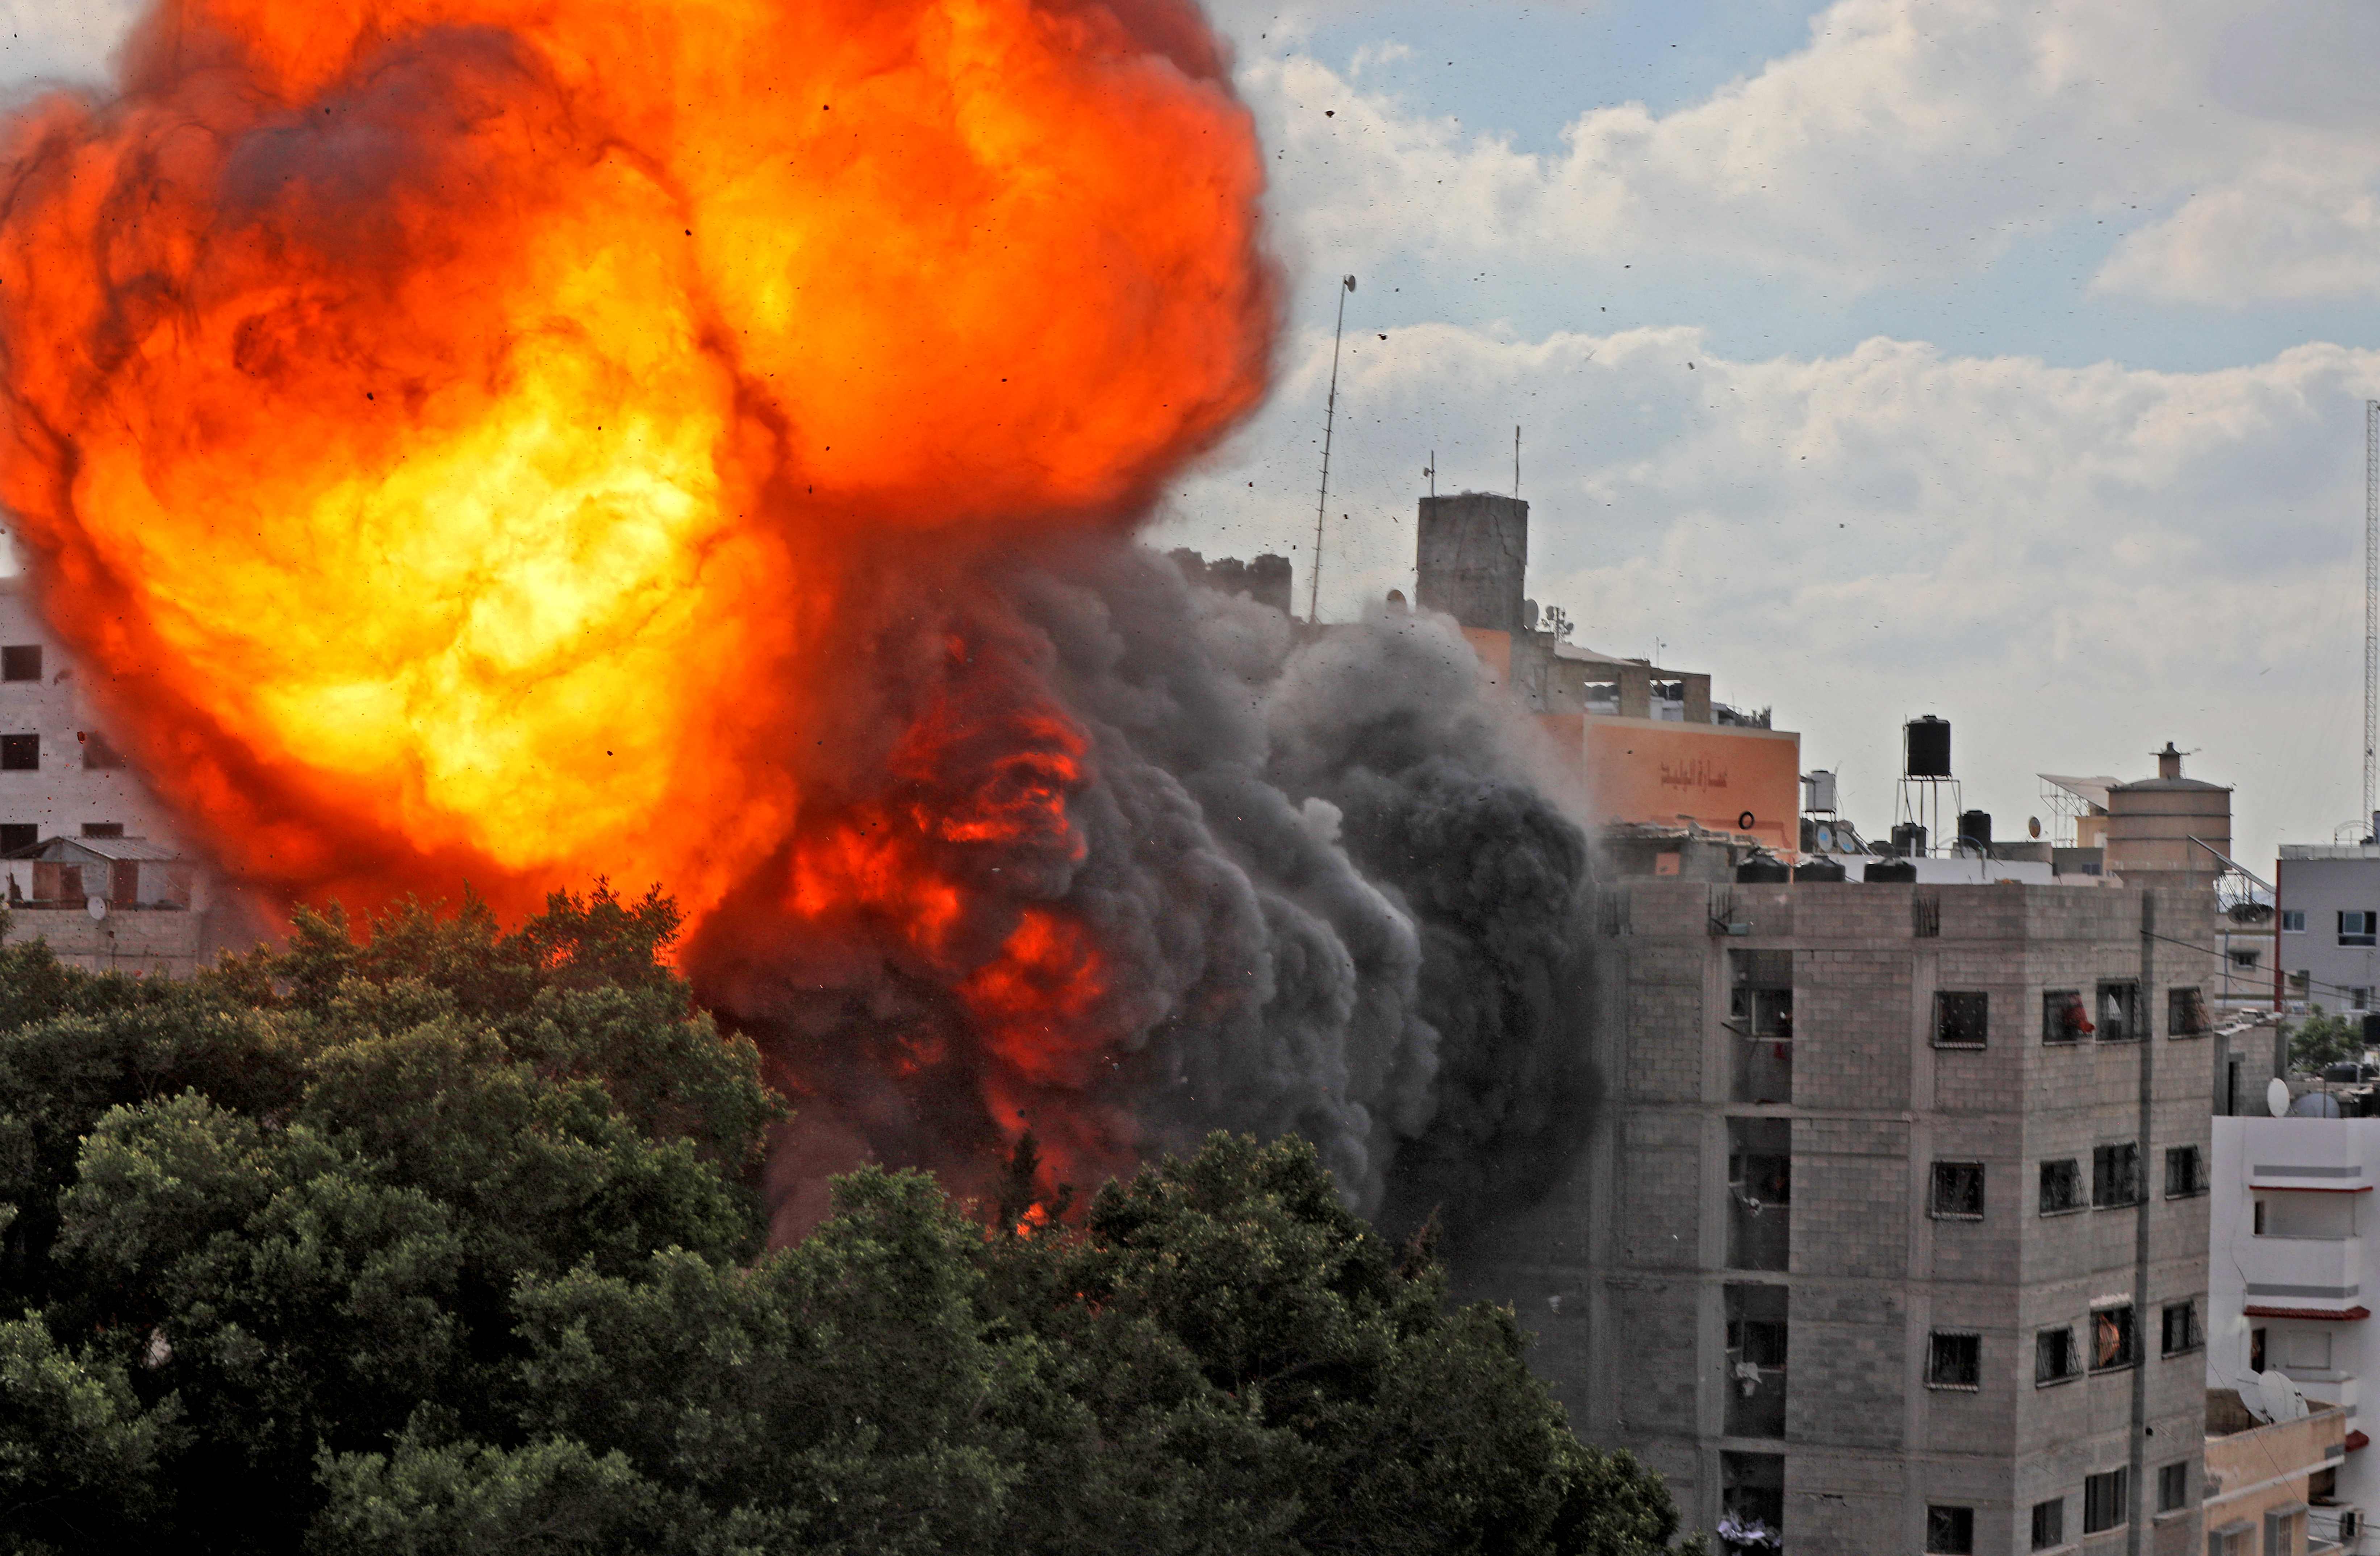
(1876,1102)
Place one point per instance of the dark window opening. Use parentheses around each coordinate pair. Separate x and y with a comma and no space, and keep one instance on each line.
(2119,1013)
(20,661)
(2182,1328)
(1949,1531)
(1752,1502)
(1925,916)
(16,836)
(2355,926)
(1756,1342)
(1957,1190)
(2185,1012)
(2113,1341)
(97,752)
(1761,1017)
(1760,1193)
(103,829)
(2257,1219)
(1960,1019)
(2061,1186)
(2049,1524)
(2255,1350)
(2064,1017)
(2185,1173)
(1954,1361)
(2054,1359)
(2173,1487)
(2115,1176)
(2103,1501)
(20,753)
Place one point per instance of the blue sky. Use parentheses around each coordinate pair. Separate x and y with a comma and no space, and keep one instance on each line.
(1995,359)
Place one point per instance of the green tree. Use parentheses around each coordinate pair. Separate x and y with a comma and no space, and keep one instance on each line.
(2321,1038)
(448,1240)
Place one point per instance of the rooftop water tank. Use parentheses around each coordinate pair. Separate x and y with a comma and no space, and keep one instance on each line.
(1926,743)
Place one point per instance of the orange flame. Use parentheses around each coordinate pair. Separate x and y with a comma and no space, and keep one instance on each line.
(449,426)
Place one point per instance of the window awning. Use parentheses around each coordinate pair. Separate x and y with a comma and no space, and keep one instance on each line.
(2318,1314)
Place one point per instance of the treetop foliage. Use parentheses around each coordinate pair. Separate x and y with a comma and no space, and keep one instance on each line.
(448,1240)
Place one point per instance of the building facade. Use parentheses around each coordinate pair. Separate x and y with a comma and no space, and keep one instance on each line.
(2271,1483)
(2294,1259)
(89,861)
(1891,1234)
(2327,903)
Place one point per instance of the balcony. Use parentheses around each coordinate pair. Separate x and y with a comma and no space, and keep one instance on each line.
(2303,1277)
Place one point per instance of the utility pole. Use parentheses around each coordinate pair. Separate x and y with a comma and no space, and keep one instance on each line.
(1329,415)
(1516,464)
(2370,602)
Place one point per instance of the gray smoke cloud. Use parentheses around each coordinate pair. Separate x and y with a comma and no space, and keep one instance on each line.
(1328,874)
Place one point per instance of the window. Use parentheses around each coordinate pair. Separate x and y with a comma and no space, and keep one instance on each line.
(1757,1342)
(2185,1173)
(2061,1186)
(2245,959)
(2185,1012)
(2293,920)
(97,752)
(18,835)
(1957,1190)
(2054,1360)
(103,829)
(2181,1330)
(2259,1227)
(2359,998)
(1949,1531)
(2119,1013)
(2306,1350)
(2115,1176)
(1960,1018)
(2049,1524)
(2173,1487)
(20,661)
(2113,1342)
(1954,1361)
(2256,1351)
(2103,1497)
(20,753)
(2064,1019)
(2355,925)
(1760,1193)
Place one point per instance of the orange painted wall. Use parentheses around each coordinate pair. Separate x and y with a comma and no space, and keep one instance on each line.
(1654,770)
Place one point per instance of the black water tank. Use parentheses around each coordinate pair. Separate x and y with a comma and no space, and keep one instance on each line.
(1764,870)
(1887,872)
(1927,748)
(1822,869)
(1975,827)
(1908,838)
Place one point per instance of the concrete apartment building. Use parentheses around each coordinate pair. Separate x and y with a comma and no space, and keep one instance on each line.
(1876,1249)
(87,859)
(2295,1250)
(2327,900)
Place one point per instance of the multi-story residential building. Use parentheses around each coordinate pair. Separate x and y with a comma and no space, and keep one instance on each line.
(89,859)
(1891,1236)
(2294,1258)
(2327,900)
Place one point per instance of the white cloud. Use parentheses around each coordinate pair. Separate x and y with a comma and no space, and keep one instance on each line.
(59,40)
(2074,564)
(1908,140)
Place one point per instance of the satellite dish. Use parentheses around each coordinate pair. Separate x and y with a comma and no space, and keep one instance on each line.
(1826,838)
(2277,1397)
(2276,1097)
(2032,826)
(96,907)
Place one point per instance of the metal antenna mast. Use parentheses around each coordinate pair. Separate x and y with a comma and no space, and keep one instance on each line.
(1330,414)
(2371,598)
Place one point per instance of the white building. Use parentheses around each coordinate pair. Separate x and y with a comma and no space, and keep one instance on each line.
(112,886)
(2327,899)
(2294,1250)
